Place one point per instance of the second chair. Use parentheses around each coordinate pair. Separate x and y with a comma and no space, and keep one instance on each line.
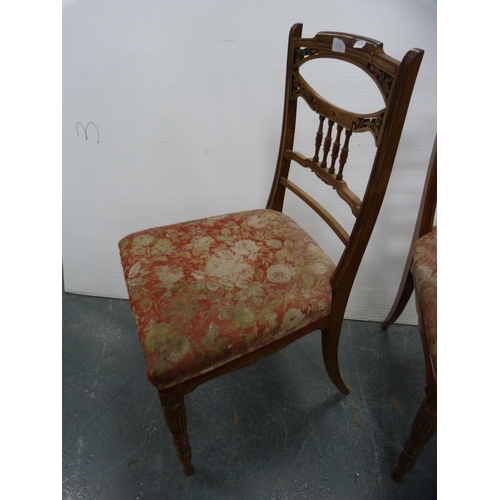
(420,275)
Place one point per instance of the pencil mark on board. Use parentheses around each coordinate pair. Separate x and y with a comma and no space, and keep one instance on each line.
(85,130)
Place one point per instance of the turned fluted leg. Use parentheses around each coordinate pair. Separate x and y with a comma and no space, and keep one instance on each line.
(330,345)
(174,410)
(424,427)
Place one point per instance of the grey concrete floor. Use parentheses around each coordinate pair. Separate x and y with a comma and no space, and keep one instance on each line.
(277,429)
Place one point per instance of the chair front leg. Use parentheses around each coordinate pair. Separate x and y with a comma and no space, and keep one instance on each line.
(174,411)
(424,427)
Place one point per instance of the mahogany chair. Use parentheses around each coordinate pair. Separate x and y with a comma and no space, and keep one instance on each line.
(213,295)
(420,274)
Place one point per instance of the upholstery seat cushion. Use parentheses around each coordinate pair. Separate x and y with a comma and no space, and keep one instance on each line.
(208,291)
(425,277)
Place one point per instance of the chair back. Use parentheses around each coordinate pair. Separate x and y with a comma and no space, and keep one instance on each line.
(394,80)
(428,204)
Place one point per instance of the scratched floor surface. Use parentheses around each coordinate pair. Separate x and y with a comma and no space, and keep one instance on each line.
(277,429)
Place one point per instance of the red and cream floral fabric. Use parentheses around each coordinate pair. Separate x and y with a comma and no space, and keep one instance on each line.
(206,292)
(425,274)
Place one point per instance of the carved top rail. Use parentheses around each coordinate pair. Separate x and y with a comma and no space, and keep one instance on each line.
(366,53)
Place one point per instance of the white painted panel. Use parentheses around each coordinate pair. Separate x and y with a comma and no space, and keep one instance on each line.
(186,98)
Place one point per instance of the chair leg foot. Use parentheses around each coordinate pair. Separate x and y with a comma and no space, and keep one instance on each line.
(402,298)
(330,343)
(174,411)
(423,428)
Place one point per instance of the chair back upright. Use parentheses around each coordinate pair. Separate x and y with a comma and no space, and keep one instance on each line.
(330,146)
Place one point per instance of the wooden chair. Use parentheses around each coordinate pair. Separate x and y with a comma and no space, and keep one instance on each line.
(213,295)
(420,274)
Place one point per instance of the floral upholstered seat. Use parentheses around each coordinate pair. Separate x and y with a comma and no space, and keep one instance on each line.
(425,278)
(206,292)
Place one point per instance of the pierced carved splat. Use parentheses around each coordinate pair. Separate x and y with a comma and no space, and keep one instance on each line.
(335,149)
(352,121)
(343,154)
(319,138)
(328,143)
(345,124)
(305,53)
(300,90)
(373,125)
(384,79)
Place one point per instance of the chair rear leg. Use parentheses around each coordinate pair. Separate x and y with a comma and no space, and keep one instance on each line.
(174,411)
(330,345)
(402,298)
(424,427)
